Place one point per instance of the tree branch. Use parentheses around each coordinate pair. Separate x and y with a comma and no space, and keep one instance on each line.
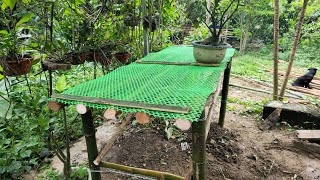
(229,17)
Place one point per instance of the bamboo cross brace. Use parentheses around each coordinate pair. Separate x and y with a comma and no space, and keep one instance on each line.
(130,104)
(178,63)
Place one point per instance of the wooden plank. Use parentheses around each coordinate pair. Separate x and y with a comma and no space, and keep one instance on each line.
(130,104)
(177,63)
(309,134)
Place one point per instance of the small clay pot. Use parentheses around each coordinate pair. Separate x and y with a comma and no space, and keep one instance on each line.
(17,67)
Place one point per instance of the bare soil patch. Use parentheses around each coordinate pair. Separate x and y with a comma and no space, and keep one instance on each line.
(238,151)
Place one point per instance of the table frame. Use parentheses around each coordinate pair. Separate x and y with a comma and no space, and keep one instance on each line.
(200,131)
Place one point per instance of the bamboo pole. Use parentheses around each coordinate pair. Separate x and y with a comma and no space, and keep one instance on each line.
(134,104)
(145,31)
(224,97)
(90,136)
(177,63)
(145,172)
(294,49)
(262,91)
(199,149)
(109,144)
(276,49)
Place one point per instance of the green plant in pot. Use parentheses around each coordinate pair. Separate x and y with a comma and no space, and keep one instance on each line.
(212,50)
(13,42)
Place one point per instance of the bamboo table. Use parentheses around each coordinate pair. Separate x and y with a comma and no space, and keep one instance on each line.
(167,84)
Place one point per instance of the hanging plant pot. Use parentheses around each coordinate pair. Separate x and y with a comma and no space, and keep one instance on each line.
(104,59)
(131,21)
(122,56)
(209,54)
(17,67)
(76,58)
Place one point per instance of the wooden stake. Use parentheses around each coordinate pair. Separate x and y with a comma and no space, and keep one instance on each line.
(111,114)
(183,124)
(142,118)
(110,143)
(145,172)
(81,108)
(55,106)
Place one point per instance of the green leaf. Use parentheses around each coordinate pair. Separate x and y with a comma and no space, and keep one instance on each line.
(25,18)
(61,83)
(10,3)
(1,74)
(4,32)
(25,154)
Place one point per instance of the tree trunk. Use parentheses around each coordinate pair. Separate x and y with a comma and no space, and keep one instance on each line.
(294,48)
(276,48)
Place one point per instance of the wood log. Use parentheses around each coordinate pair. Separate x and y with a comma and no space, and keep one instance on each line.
(183,124)
(55,106)
(271,119)
(142,118)
(111,114)
(81,108)
(115,136)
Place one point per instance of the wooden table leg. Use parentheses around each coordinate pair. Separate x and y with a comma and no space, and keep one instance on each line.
(224,97)
(90,136)
(199,149)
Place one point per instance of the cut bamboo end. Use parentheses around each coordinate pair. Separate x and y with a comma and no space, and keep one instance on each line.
(55,106)
(142,118)
(183,124)
(81,108)
(111,114)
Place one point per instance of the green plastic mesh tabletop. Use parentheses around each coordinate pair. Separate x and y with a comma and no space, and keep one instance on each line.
(158,84)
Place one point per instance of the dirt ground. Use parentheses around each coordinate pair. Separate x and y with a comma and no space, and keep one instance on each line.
(238,151)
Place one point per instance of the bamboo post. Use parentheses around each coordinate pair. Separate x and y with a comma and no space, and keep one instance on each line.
(294,49)
(225,88)
(145,32)
(90,136)
(199,149)
(276,48)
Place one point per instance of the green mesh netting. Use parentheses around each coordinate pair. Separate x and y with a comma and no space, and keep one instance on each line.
(186,86)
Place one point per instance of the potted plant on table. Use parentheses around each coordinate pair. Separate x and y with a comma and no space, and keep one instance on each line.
(212,50)
(13,44)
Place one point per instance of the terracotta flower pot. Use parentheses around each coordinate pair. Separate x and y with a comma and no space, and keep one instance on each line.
(123,56)
(17,67)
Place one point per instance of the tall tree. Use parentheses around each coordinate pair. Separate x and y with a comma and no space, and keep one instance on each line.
(294,48)
(276,48)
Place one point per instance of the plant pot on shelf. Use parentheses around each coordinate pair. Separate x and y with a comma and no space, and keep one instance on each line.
(209,54)
(76,58)
(104,59)
(122,56)
(17,67)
